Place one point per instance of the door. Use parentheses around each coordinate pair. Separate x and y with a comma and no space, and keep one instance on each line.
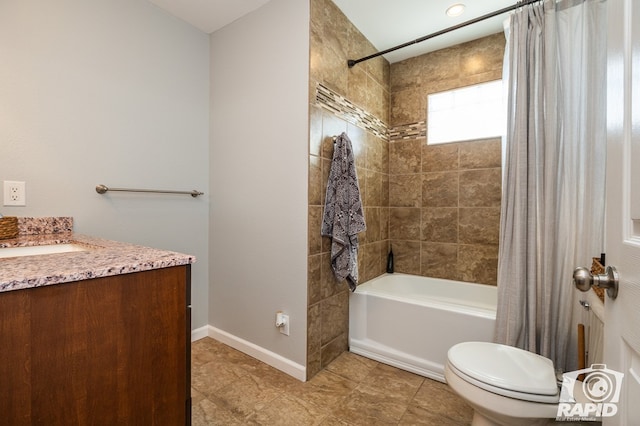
(622,315)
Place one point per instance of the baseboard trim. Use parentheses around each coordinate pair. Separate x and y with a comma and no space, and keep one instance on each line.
(273,359)
(199,333)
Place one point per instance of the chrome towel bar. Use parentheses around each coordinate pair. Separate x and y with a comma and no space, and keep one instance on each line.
(102,189)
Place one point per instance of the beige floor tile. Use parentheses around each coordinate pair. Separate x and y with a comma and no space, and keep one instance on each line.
(396,383)
(326,389)
(205,413)
(231,388)
(246,395)
(416,415)
(202,352)
(334,421)
(351,366)
(288,410)
(439,399)
(208,378)
(368,406)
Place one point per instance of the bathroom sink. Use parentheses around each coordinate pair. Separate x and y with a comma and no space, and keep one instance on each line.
(44,249)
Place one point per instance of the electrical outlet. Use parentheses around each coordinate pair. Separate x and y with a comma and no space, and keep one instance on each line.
(15,193)
(282,322)
(285,327)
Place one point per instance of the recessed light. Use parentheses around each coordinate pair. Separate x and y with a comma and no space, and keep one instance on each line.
(455,10)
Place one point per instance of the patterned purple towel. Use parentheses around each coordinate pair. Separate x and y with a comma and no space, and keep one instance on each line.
(343,216)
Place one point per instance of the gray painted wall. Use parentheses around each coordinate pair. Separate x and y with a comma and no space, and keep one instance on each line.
(113,92)
(259,175)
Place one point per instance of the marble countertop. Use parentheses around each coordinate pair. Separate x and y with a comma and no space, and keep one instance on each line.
(102,259)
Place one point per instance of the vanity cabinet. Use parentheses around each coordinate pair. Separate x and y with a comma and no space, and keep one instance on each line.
(105,351)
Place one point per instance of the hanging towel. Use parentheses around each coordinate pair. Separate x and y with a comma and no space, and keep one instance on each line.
(343,217)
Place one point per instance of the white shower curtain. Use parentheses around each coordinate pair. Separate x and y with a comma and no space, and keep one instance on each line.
(553,192)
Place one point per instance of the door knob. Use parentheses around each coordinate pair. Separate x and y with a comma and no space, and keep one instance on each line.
(583,280)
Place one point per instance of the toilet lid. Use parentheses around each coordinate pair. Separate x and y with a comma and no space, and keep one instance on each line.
(505,367)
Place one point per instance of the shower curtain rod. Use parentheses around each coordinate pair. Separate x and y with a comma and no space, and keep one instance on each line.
(352,62)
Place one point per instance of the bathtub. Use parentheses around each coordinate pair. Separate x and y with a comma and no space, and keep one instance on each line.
(410,322)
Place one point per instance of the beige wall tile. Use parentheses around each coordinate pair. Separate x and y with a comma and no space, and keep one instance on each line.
(384,223)
(481,154)
(479,225)
(334,314)
(483,55)
(371,255)
(334,348)
(377,154)
(315,130)
(331,126)
(478,263)
(439,260)
(429,183)
(385,190)
(480,188)
(405,190)
(406,256)
(329,284)
(314,363)
(372,217)
(314,277)
(373,185)
(407,106)
(438,158)
(358,138)
(405,157)
(404,223)
(440,225)
(440,189)
(315,180)
(315,225)
(314,329)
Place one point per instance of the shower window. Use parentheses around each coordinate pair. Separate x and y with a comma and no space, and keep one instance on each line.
(467,113)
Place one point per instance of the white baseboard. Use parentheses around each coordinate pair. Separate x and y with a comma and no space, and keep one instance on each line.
(273,359)
(199,333)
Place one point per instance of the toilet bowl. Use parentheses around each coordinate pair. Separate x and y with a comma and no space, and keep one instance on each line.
(504,385)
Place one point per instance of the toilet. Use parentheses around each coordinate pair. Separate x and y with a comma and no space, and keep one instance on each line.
(503,384)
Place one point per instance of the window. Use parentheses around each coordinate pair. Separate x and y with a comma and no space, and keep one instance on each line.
(468,113)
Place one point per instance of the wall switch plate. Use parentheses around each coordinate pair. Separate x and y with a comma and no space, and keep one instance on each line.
(15,193)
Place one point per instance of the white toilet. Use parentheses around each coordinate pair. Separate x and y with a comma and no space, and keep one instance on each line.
(503,384)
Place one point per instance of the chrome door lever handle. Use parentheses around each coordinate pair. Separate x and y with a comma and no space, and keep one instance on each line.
(583,280)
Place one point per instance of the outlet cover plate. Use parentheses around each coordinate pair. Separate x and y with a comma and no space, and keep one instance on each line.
(285,328)
(15,193)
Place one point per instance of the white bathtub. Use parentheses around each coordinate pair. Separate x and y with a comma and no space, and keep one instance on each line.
(410,322)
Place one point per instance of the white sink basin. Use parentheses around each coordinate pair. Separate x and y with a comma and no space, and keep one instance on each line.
(44,249)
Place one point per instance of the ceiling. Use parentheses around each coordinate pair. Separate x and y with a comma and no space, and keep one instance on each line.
(209,15)
(389,23)
(385,23)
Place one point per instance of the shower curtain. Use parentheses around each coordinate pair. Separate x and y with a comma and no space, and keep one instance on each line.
(552,217)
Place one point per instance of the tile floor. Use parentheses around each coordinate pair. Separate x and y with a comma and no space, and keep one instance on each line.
(231,388)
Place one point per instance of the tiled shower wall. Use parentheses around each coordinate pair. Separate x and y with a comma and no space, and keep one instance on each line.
(444,199)
(439,206)
(334,40)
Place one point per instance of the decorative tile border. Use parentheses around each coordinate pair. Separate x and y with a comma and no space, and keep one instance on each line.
(408,131)
(345,109)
